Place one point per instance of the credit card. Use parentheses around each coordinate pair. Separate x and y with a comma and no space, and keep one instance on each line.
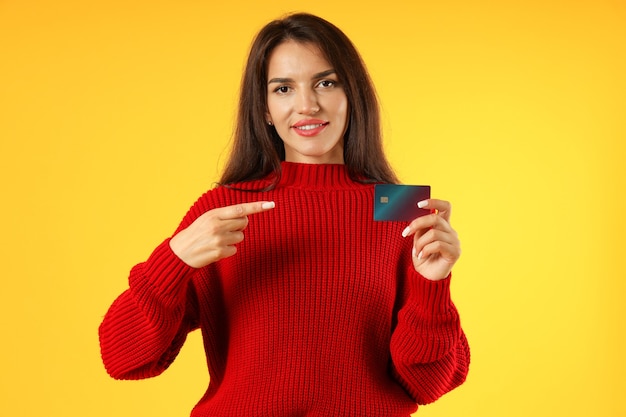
(399,202)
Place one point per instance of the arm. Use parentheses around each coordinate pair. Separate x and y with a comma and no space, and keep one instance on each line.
(429,351)
(146,326)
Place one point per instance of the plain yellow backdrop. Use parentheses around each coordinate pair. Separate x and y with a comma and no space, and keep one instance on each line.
(116,115)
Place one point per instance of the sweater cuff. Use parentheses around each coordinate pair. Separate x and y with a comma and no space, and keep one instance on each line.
(432,297)
(164,274)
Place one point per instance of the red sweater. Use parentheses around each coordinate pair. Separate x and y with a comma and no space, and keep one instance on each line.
(320,312)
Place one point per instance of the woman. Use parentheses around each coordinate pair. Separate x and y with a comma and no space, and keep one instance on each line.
(307,306)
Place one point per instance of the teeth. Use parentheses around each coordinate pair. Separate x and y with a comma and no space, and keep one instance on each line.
(310,127)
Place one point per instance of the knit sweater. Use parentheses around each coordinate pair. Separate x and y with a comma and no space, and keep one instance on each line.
(319,313)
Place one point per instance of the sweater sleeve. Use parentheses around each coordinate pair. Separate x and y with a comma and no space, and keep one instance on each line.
(146,326)
(429,351)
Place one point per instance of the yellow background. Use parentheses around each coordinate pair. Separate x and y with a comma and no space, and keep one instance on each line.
(116,115)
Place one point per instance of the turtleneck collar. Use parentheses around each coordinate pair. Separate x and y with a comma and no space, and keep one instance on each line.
(316,176)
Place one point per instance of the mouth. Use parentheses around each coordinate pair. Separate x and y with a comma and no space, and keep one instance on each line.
(310,127)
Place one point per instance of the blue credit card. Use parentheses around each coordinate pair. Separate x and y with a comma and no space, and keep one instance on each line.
(399,202)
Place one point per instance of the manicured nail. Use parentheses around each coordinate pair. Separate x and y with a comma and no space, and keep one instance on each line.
(268,205)
(414,252)
(422,204)
(419,256)
(406,231)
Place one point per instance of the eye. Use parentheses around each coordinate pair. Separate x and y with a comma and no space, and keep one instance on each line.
(283,89)
(327,83)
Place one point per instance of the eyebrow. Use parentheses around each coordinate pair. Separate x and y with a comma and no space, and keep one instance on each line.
(315,76)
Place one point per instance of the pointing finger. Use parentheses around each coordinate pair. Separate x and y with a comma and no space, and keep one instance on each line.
(241,210)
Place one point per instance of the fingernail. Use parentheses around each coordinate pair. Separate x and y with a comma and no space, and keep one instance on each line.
(414,252)
(422,204)
(268,205)
(406,231)
(419,256)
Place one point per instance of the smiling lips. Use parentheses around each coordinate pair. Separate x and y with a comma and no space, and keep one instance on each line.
(309,127)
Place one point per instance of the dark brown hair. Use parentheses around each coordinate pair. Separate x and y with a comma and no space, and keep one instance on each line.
(258,150)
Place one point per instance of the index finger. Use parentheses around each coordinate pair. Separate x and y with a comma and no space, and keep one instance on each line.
(244,209)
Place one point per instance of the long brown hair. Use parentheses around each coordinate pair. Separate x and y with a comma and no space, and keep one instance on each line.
(258,150)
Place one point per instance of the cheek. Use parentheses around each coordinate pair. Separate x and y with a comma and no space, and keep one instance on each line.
(278,110)
(272,104)
(343,110)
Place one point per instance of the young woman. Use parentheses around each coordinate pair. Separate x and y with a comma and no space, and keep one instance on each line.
(307,306)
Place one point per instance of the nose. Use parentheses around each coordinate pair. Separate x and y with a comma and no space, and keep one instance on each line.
(307,102)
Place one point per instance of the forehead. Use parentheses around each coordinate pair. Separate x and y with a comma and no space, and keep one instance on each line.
(291,57)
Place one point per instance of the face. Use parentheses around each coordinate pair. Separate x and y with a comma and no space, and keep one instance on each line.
(306,104)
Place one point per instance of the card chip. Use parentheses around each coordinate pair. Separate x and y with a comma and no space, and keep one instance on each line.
(384,199)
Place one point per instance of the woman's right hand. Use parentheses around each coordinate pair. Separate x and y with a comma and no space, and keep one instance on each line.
(213,235)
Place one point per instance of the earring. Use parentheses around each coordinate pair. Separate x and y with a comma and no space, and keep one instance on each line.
(269,122)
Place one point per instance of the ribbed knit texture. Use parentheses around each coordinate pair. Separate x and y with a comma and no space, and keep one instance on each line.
(320,312)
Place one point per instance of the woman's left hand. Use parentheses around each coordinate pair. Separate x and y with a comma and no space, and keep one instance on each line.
(436,246)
